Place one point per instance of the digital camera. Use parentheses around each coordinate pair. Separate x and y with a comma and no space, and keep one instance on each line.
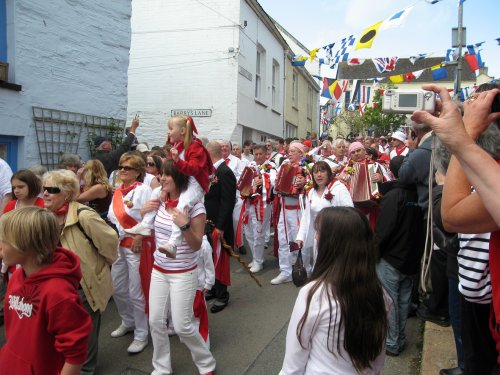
(408,101)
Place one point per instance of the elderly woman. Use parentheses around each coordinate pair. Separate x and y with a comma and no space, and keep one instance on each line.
(124,213)
(71,162)
(339,150)
(176,279)
(288,219)
(88,236)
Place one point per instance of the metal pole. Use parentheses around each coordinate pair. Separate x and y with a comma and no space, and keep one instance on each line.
(458,79)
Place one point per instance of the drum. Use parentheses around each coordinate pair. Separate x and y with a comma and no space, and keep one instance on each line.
(245,183)
(285,180)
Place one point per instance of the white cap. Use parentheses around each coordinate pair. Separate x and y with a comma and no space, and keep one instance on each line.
(141,147)
(399,135)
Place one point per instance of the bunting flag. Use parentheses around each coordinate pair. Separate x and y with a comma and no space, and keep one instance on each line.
(338,108)
(397,79)
(464,93)
(355,61)
(355,88)
(451,54)
(299,60)
(327,82)
(351,107)
(435,1)
(413,75)
(340,88)
(396,19)
(364,94)
(498,41)
(438,72)
(473,61)
(313,53)
(385,64)
(343,53)
(333,89)
(368,36)
(362,108)
(473,49)
(418,57)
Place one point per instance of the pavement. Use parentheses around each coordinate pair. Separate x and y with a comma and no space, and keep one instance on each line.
(438,351)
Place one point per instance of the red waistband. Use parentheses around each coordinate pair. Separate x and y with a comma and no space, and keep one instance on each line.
(159,269)
(292,207)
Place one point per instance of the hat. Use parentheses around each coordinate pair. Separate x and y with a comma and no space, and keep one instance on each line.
(307,143)
(399,135)
(298,146)
(99,139)
(141,147)
(355,146)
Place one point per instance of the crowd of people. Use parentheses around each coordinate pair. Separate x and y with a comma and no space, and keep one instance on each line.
(382,227)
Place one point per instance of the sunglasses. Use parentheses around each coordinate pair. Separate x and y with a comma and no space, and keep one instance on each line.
(151,164)
(51,189)
(126,168)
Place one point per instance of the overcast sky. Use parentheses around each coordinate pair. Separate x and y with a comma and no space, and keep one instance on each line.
(427,28)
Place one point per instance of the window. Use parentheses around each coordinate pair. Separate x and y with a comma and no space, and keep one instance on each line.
(260,71)
(309,102)
(3,31)
(295,89)
(276,84)
(290,131)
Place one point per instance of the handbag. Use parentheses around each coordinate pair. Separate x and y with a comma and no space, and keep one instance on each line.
(299,274)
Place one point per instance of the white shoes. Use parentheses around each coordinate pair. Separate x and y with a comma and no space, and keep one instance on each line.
(121,331)
(250,265)
(281,279)
(256,268)
(139,229)
(168,249)
(137,346)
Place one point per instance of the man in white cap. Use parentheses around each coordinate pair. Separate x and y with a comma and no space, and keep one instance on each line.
(398,143)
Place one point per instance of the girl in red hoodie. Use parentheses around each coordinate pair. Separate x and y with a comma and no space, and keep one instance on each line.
(46,325)
(191,159)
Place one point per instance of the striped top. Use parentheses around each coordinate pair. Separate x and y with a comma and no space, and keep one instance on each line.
(473,267)
(186,258)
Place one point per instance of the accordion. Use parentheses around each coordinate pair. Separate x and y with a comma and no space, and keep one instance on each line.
(285,180)
(245,182)
(363,190)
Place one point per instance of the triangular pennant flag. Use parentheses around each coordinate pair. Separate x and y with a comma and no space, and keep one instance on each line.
(313,53)
(396,19)
(355,61)
(368,36)
(438,72)
(409,77)
(396,79)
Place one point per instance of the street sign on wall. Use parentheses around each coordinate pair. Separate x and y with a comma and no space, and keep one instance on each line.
(192,112)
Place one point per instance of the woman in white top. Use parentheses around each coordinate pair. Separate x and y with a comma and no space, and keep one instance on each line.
(339,321)
(176,279)
(326,192)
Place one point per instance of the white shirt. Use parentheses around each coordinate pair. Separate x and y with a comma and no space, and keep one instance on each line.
(393,153)
(206,269)
(316,359)
(248,157)
(315,203)
(5,177)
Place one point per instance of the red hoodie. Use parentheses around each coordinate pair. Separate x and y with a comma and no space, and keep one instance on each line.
(197,163)
(45,321)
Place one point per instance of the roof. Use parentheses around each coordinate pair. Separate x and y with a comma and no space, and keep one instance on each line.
(367,70)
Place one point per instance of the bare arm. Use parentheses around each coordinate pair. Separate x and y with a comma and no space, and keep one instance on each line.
(69,369)
(95,192)
(3,202)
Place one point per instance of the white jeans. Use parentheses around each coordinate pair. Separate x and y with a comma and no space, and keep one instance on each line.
(255,233)
(128,294)
(236,214)
(288,227)
(181,288)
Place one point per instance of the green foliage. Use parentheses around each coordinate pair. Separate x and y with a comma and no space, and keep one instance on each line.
(351,120)
(113,131)
(382,123)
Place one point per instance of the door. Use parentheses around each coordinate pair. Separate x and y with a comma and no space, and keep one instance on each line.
(8,150)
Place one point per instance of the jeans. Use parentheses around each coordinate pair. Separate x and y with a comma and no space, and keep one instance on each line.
(181,288)
(399,287)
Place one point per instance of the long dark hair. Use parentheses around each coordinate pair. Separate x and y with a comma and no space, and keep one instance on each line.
(345,267)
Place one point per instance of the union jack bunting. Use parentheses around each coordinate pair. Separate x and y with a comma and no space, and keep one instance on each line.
(385,64)
(343,53)
(362,108)
(364,94)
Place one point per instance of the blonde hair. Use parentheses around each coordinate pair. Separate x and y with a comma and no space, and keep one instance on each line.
(137,161)
(65,180)
(95,174)
(31,230)
(187,123)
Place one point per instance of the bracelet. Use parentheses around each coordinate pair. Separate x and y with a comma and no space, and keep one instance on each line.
(185,227)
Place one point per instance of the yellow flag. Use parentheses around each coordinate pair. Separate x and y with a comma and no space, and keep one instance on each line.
(368,36)
(313,53)
(397,79)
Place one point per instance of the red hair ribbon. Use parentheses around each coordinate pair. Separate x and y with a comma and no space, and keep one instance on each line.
(193,126)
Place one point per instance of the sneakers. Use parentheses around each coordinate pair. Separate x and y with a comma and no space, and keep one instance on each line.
(250,265)
(256,268)
(281,279)
(121,331)
(168,249)
(139,229)
(137,346)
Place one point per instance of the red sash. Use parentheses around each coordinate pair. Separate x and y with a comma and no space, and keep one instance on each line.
(221,261)
(200,312)
(148,245)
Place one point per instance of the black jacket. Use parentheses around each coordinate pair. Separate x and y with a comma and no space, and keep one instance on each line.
(111,159)
(398,227)
(220,201)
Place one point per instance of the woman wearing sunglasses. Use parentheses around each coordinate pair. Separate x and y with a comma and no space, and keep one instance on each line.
(129,289)
(153,165)
(92,240)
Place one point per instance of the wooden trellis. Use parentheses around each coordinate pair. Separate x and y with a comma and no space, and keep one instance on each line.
(59,132)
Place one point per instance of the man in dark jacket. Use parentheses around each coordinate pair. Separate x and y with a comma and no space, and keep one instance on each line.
(110,158)
(219,203)
(396,232)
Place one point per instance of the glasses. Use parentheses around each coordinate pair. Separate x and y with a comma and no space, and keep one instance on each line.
(51,189)
(126,168)
(151,164)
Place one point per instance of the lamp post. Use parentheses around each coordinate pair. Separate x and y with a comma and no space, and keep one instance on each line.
(460,42)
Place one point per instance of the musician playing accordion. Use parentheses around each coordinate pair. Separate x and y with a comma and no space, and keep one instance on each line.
(255,186)
(293,175)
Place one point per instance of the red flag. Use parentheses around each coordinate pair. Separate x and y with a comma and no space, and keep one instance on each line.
(472,61)
(409,76)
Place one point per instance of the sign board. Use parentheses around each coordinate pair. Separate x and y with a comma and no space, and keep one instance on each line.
(192,112)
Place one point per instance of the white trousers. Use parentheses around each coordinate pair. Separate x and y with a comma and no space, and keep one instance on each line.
(128,294)
(255,232)
(180,287)
(288,226)
(236,214)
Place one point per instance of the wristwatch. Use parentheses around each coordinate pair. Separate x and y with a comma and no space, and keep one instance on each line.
(185,226)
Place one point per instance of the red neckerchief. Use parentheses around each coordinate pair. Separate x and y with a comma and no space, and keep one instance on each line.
(170,203)
(63,210)
(399,151)
(126,190)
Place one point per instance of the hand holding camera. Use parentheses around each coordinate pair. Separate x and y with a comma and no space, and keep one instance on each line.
(408,101)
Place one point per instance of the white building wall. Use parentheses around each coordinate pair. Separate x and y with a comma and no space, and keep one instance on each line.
(183,56)
(67,55)
(259,115)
